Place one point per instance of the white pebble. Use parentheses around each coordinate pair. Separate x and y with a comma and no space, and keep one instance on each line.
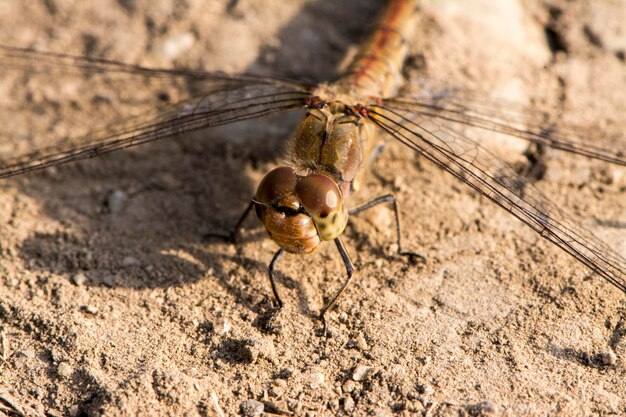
(316,379)
(215,406)
(609,358)
(176,45)
(130,261)
(222,326)
(91,309)
(348,404)
(116,201)
(361,372)
(343,317)
(79,279)
(348,386)
(361,343)
(64,370)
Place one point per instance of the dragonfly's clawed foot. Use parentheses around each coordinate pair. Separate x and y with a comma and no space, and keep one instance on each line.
(269,323)
(324,330)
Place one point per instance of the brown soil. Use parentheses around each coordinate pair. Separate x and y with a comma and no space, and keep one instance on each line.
(111,303)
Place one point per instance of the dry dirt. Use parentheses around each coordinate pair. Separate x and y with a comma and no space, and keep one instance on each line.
(111,303)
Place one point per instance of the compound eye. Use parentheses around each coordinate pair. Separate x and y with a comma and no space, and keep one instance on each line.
(277,184)
(319,195)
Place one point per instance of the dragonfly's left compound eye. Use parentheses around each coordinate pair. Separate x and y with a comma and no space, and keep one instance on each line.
(276,184)
(323,201)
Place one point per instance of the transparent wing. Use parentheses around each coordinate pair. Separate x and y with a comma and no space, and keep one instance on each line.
(506,118)
(61,108)
(499,182)
(40,61)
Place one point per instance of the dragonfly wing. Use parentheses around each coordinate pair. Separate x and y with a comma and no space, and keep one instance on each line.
(188,116)
(40,61)
(531,125)
(499,182)
(96,106)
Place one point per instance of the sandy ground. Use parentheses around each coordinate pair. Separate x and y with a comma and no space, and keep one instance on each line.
(111,303)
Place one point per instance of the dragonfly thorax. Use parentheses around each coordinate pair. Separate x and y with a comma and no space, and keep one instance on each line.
(299,212)
(330,140)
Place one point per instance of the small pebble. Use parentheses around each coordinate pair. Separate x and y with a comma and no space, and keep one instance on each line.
(393,248)
(222,326)
(348,404)
(130,261)
(64,370)
(107,281)
(22,358)
(343,317)
(348,386)
(215,406)
(58,355)
(176,45)
(261,348)
(116,201)
(361,343)
(251,408)
(79,279)
(399,183)
(361,372)
(425,389)
(316,380)
(609,358)
(278,388)
(91,309)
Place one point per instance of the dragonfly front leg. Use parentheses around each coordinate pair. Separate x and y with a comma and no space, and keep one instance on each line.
(349,270)
(234,234)
(413,256)
(270,270)
(267,320)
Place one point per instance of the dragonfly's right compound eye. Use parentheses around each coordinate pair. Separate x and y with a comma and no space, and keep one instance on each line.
(323,201)
(282,214)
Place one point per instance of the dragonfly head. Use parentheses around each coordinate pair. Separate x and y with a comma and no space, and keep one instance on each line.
(299,212)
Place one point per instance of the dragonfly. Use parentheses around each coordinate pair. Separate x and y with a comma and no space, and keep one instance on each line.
(305,201)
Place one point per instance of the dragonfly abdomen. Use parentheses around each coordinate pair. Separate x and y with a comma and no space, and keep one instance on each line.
(375,70)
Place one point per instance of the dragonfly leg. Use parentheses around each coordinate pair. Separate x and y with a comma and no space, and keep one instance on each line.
(234,234)
(388,198)
(349,270)
(269,320)
(272,266)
